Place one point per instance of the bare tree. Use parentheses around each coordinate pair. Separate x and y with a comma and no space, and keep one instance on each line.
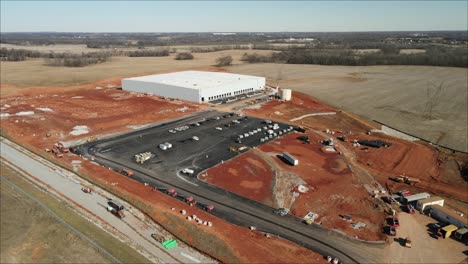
(184,56)
(224,61)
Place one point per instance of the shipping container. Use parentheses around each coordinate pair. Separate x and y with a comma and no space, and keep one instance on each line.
(291,159)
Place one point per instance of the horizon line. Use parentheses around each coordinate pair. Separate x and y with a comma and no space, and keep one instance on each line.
(243,32)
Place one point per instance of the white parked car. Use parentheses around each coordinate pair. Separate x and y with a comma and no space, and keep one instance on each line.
(187,171)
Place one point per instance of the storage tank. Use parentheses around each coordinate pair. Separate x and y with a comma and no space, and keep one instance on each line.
(286,94)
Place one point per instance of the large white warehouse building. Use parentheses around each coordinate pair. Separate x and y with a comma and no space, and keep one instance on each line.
(195,86)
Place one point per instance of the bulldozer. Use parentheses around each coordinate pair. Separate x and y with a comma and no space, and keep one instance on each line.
(405,179)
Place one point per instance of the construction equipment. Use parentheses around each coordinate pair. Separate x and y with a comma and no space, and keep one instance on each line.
(91,139)
(126,172)
(208,208)
(410,209)
(304,139)
(142,157)
(119,213)
(62,148)
(56,152)
(172,192)
(407,242)
(191,201)
(405,179)
(158,237)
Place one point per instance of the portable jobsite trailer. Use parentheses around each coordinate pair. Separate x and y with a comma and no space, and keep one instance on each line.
(425,204)
(290,159)
(415,197)
(445,215)
(461,235)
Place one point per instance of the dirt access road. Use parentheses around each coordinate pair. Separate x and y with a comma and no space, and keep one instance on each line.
(135,227)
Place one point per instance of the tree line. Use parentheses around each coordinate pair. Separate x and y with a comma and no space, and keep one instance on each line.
(434,56)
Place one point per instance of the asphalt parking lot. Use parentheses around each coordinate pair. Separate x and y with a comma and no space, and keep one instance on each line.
(163,171)
(198,142)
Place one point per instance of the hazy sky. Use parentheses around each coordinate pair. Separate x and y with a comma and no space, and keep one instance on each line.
(224,16)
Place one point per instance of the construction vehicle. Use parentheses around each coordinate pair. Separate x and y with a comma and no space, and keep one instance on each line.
(405,179)
(410,209)
(86,190)
(393,222)
(208,208)
(56,152)
(91,139)
(119,213)
(62,148)
(126,172)
(191,201)
(391,231)
(116,205)
(407,242)
(158,237)
(172,192)
(142,157)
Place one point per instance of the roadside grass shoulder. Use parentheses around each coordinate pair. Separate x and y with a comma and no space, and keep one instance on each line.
(118,249)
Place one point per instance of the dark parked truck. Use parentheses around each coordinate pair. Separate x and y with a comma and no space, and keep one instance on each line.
(116,205)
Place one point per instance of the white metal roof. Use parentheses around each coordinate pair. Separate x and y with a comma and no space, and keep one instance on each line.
(195,79)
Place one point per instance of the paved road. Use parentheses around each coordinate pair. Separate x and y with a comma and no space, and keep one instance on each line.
(245,212)
(134,227)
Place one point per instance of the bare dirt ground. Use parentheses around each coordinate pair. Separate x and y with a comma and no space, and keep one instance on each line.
(31,235)
(106,111)
(44,116)
(394,95)
(437,169)
(262,176)
(423,245)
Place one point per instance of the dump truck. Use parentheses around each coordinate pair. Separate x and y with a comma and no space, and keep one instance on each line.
(405,179)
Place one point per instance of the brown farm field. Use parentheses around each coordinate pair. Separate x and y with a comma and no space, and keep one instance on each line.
(33,72)
(393,95)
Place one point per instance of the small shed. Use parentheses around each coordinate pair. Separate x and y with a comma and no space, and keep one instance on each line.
(424,204)
(415,197)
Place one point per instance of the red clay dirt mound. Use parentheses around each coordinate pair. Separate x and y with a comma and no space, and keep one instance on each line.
(45,118)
